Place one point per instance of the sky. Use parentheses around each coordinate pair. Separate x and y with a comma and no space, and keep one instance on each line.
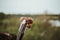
(29,6)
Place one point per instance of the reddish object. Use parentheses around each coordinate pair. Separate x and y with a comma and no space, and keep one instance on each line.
(28,23)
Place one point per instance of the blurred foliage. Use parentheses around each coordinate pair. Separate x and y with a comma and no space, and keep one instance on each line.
(59,17)
(2,15)
(40,29)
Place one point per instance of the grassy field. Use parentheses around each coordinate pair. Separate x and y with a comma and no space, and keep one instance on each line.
(40,29)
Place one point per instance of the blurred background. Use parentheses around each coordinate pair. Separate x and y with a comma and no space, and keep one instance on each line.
(46,15)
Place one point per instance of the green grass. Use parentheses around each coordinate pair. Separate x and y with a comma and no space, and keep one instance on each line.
(38,30)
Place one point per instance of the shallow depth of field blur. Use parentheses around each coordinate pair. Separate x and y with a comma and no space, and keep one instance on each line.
(44,27)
